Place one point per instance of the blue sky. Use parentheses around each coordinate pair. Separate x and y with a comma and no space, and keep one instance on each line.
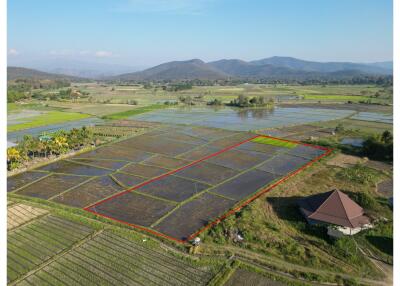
(148,32)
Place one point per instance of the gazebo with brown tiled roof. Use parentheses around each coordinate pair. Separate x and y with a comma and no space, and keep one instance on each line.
(333,207)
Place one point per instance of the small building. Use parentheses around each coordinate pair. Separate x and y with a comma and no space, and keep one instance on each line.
(337,211)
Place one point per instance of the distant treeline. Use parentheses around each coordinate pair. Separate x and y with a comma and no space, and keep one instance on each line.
(27,84)
(20,89)
(383,80)
(176,86)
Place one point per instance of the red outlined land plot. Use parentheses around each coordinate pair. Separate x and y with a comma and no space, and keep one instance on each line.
(186,201)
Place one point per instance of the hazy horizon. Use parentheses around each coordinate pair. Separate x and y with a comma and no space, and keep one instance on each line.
(144,33)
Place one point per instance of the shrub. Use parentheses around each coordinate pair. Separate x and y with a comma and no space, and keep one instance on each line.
(379,148)
(359,174)
(365,200)
(132,102)
(215,102)
(346,247)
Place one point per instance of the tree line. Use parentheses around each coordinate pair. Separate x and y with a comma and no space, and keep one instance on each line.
(45,145)
(21,89)
(381,80)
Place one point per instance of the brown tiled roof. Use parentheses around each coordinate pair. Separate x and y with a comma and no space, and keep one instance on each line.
(333,207)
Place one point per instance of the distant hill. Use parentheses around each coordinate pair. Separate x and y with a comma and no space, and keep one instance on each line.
(276,68)
(14,73)
(280,68)
(384,65)
(239,68)
(75,68)
(176,70)
(324,67)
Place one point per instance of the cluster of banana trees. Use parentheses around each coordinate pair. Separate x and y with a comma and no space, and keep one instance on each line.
(48,144)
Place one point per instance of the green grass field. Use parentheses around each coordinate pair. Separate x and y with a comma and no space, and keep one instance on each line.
(339,98)
(51,117)
(136,111)
(274,142)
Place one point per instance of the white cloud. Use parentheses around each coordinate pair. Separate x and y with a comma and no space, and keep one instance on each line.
(13,52)
(103,54)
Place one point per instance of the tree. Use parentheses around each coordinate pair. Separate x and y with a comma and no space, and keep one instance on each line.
(379,148)
(387,137)
(59,144)
(243,100)
(13,158)
(215,102)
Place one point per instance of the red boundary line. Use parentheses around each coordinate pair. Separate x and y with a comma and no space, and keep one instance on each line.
(225,215)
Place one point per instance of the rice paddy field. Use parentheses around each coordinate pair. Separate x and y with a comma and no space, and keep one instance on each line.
(46,248)
(46,118)
(243,120)
(173,180)
(330,93)
(14,136)
(111,101)
(374,117)
(245,277)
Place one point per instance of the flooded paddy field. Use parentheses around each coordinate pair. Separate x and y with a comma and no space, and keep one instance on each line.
(243,119)
(15,136)
(374,117)
(160,179)
(22,116)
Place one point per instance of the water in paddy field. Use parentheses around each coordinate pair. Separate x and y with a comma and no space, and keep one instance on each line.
(22,116)
(36,131)
(355,142)
(375,117)
(243,119)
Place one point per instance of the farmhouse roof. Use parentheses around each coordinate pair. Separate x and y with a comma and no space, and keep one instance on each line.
(333,207)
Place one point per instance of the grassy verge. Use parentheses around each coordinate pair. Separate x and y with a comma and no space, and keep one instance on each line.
(365,127)
(52,117)
(256,270)
(136,111)
(337,97)
(225,273)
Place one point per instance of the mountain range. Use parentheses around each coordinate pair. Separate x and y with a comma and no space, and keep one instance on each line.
(14,73)
(77,68)
(274,68)
(268,68)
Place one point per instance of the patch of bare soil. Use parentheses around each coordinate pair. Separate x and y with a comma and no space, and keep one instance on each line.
(385,188)
(345,161)
(379,166)
(20,214)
